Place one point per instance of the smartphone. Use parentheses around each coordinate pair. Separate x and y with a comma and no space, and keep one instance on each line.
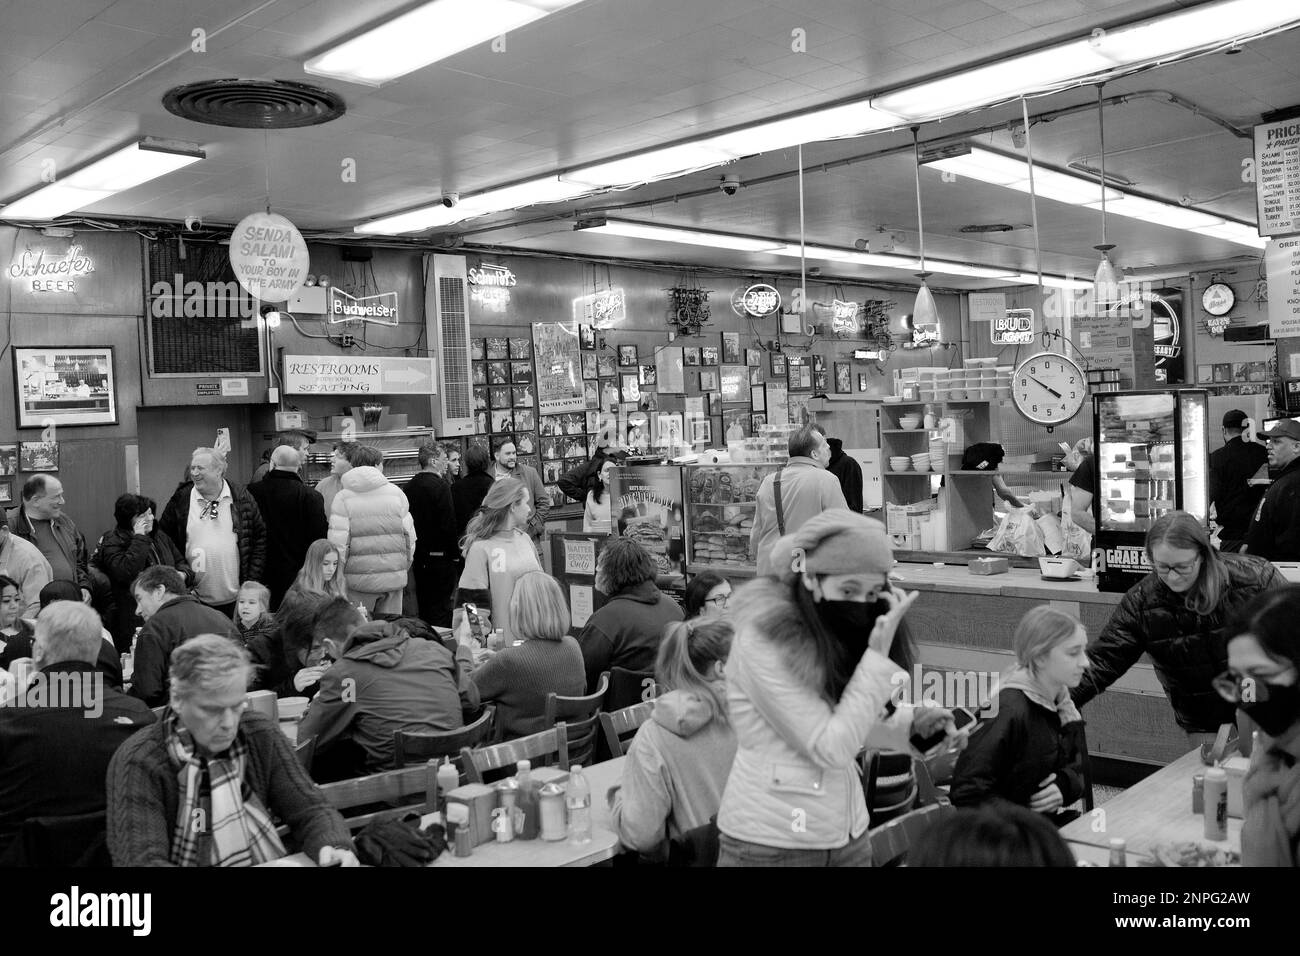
(475,622)
(961,717)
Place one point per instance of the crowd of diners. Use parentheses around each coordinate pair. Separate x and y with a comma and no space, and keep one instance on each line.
(769,696)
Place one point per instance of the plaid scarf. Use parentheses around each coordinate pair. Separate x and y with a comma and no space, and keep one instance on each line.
(241,829)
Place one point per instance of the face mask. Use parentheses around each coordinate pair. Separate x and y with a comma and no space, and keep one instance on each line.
(1279,713)
(850,623)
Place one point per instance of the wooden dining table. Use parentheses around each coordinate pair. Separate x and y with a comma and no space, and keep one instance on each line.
(1154,811)
(604,843)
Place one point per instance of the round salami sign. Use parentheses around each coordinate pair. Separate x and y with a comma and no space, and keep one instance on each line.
(269,256)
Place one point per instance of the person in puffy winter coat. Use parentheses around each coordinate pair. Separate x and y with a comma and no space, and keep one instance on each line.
(1179,614)
(371,526)
(677,765)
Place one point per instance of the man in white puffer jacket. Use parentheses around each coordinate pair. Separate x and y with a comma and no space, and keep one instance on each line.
(370,524)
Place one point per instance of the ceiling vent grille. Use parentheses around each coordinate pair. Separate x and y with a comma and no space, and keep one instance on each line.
(254,104)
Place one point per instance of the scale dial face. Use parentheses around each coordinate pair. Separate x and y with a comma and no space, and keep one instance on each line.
(1048,388)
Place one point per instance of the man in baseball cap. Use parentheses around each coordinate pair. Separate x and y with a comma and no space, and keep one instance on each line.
(1231,467)
(1275,532)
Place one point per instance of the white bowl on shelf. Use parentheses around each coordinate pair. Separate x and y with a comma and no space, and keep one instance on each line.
(921,462)
(909,422)
(904,465)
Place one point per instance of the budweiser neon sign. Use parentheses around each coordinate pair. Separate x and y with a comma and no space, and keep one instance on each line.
(380,309)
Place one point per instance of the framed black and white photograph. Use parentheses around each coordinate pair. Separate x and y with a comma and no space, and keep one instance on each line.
(843,378)
(497,348)
(756,376)
(753,357)
(521,396)
(588,365)
(590,395)
(776,362)
(701,431)
(862,382)
(691,355)
(708,355)
(756,422)
(525,419)
(731,348)
(627,355)
(6,492)
(819,363)
(586,336)
(499,397)
(65,386)
(525,442)
(521,373)
(478,373)
(521,348)
(606,364)
(631,387)
(477,349)
(649,374)
(498,373)
(38,456)
(503,420)
(8,460)
(820,382)
(708,381)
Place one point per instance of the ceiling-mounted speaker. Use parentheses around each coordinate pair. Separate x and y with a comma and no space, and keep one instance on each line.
(357,254)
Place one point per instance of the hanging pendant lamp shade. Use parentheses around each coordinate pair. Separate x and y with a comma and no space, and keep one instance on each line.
(924,311)
(1105,284)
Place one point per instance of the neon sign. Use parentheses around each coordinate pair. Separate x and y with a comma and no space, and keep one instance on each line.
(53,274)
(493,276)
(380,309)
(844,317)
(759,300)
(1014,328)
(601,309)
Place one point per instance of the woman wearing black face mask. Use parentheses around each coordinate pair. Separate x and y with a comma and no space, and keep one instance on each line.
(1263,680)
(810,678)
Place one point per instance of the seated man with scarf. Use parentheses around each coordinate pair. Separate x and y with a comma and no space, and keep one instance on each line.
(204,785)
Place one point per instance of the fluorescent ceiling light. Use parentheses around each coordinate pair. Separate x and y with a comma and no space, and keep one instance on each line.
(972,272)
(1178,32)
(853,119)
(426,35)
(692,237)
(645,167)
(548,189)
(1049,184)
(1158,213)
(116,172)
(1057,282)
(1236,232)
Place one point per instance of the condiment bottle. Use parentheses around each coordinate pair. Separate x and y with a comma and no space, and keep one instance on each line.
(448,780)
(1198,793)
(503,817)
(528,797)
(577,799)
(551,807)
(1216,804)
(1118,857)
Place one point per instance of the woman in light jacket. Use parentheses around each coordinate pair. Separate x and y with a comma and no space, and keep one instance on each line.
(809,680)
(370,524)
(677,765)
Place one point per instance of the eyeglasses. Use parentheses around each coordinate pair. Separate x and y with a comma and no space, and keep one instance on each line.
(719,601)
(1236,688)
(1179,569)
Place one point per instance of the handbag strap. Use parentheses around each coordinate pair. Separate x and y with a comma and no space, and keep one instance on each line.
(780,512)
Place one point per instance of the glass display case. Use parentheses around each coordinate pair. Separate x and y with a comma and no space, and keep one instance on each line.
(1150,460)
(721,501)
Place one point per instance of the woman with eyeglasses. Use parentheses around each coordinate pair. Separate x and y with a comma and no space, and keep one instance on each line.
(707,595)
(1180,614)
(1263,681)
(811,681)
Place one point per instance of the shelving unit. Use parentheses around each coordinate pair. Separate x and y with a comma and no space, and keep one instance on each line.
(717,532)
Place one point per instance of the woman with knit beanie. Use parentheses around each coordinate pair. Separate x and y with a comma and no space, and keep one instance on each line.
(1263,680)
(1031,753)
(810,683)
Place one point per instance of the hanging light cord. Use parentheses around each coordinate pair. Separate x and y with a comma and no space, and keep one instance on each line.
(1033,198)
(920,220)
(803,277)
(1101,127)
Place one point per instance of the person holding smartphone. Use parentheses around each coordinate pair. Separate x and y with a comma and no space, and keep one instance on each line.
(810,683)
(1031,752)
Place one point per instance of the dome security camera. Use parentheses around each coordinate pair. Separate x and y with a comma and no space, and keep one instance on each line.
(193,223)
(450,199)
(730,184)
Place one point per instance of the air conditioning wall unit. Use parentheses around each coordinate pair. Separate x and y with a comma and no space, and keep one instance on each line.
(446,303)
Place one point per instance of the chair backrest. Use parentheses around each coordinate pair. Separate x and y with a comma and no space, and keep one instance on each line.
(486,764)
(395,791)
(621,726)
(79,841)
(582,715)
(305,751)
(408,748)
(890,843)
(628,687)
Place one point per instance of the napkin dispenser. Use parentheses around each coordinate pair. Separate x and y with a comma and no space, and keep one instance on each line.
(989,566)
(1236,768)
(479,800)
(264,702)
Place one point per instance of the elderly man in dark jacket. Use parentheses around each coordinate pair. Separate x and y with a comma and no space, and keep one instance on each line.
(627,630)
(219,528)
(1188,650)
(294,515)
(1275,532)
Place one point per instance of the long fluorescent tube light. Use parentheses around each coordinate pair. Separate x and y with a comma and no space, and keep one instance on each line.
(115,172)
(852,256)
(691,237)
(426,35)
(644,167)
(998,169)
(1147,41)
(528,193)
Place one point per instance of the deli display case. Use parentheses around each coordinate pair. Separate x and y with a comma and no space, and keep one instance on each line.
(1151,459)
(721,501)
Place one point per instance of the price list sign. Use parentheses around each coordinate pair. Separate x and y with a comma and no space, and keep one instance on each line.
(1277,177)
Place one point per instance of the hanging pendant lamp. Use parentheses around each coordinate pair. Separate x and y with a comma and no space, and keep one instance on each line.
(1105,284)
(924,311)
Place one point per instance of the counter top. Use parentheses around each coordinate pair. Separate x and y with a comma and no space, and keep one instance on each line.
(1018,582)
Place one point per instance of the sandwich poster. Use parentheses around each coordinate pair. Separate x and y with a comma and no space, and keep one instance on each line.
(648,509)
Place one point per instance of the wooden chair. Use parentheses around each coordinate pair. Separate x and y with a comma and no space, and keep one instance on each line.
(627,688)
(890,843)
(582,716)
(621,726)
(487,764)
(390,793)
(305,751)
(408,748)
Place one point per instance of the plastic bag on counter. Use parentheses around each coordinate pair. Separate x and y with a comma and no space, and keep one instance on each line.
(1019,534)
(1050,526)
(1078,543)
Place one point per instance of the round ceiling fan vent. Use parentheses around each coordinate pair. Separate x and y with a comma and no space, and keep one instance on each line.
(254,104)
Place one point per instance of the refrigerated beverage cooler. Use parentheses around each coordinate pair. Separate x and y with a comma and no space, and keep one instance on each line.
(1151,459)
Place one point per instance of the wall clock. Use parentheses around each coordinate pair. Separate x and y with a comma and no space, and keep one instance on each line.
(1049,389)
(1218,298)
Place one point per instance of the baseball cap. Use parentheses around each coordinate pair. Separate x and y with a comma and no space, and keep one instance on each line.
(1235,418)
(1285,428)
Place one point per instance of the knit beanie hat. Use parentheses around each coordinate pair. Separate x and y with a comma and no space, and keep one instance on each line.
(837,541)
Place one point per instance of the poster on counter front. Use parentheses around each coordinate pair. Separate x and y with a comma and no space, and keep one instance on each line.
(648,509)
(558,361)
